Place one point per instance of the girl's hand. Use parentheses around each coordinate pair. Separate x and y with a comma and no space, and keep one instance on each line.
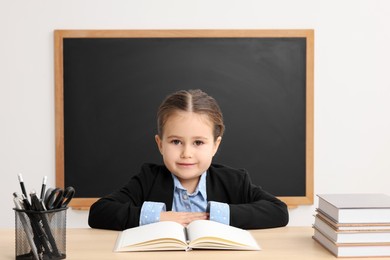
(183,218)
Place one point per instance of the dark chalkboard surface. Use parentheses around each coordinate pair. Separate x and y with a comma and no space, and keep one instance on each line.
(110,83)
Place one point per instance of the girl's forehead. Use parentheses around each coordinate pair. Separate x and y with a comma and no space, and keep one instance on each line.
(188,119)
(188,116)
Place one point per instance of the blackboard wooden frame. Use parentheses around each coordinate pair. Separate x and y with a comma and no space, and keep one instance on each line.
(60,35)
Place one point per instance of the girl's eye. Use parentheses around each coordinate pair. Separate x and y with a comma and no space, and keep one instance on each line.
(176,142)
(198,142)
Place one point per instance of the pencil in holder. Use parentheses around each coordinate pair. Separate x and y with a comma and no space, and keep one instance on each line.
(40,234)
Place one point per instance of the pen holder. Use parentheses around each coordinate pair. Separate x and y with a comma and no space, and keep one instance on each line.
(40,234)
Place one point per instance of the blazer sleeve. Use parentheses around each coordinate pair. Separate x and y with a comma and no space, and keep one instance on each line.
(121,209)
(257,208)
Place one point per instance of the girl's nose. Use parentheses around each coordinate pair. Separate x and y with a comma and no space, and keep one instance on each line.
(186,152)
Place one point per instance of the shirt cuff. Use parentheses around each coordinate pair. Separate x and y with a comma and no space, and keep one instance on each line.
(219,212)
(150,212)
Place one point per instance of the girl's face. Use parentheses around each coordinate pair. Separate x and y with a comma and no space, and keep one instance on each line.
(188,146)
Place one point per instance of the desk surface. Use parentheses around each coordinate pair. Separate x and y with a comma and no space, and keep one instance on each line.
(279,243)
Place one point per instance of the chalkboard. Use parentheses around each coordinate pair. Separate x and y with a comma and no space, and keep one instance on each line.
(109,85)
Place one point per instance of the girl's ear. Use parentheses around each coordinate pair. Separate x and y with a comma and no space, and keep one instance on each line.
(216,144)
(159,142)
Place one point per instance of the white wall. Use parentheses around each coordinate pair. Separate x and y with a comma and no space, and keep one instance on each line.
(352,86)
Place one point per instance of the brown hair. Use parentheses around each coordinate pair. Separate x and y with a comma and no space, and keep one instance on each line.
(195,101)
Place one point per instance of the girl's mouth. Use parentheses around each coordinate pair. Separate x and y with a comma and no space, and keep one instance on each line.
(185,164)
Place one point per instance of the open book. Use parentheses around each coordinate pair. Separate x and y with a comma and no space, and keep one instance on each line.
(199,234)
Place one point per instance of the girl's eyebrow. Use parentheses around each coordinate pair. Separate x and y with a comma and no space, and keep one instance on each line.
(174,137)
(179,137)
(200,137)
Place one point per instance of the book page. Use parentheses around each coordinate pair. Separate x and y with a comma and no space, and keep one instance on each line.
(211,234)
(157,236)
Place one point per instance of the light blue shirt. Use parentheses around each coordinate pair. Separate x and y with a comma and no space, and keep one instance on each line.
(185,202)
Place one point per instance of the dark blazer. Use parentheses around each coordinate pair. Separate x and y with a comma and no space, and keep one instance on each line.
(250,206)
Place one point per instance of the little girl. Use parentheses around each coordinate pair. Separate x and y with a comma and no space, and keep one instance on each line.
(188,186)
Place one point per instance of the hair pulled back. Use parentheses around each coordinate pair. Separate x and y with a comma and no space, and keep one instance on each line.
(194,100)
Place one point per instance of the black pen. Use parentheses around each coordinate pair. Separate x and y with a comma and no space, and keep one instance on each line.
(37,230)
(38,221)
(27,205)
(43,187)
(45,223)
(22,184)
(34,224)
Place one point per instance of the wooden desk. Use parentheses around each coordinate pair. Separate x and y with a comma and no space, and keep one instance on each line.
(280,243)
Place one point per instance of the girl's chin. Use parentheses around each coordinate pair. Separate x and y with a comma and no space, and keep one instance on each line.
(185,174)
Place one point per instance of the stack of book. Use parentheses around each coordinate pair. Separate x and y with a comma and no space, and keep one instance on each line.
(353,225)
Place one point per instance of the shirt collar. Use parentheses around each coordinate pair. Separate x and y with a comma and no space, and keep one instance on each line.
(200,188)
